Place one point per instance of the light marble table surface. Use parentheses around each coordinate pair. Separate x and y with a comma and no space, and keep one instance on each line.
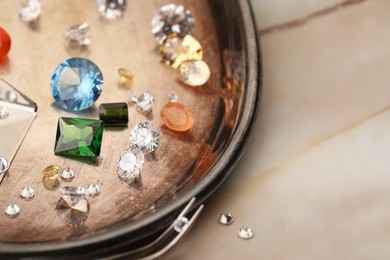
(314,182)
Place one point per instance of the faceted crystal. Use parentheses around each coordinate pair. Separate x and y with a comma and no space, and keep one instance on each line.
(78,34)
(172,19)
(67,174)
(12,210)
(146,136)
(225,219)
(175,50)
(245,233)
(27,193)
(93,190)
(112,9)
(126,78)
(31,11)
(76,84)
(181,224)
(130,163)
(73,194)
(4,113)
(173,97)
(79,137)
(4,165)
(73,212)
(114,114)
(51,170)
(177,116)
(51,183)
(5,43)
(144,103)
(194,72)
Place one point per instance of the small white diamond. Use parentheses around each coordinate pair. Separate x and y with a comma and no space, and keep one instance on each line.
(144,102)
(78,34)
(4,165)
(194,72)
(146,136)
(171,19)
(245,233)
(30,12)
(173,97)
(130,163)
(93,190)
(67,174)
(225,219)
(112,9)
(4,113)
(73,194)
(27,193)
(12,210)
(181,224)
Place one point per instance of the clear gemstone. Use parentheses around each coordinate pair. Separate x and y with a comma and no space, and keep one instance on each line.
(194,72)
(146,136)
(72,193)
(27,193)
(78,34)
(245,233)
(112,9)
(173,97)
(169,19)
(181,224)
(225,219)
(93,190)
(144,103)
(76,84)
(130,164)
(67,174)
(12,210)
(4,165)
(4,113)
(176,50)
(73,212)
(31,11)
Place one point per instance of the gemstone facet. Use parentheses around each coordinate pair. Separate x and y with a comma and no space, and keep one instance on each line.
(225,219)
(27,193)
(71,212)
(146,136)
(78,34)
(194,72)
(114,114)
(93,190)
(12,210)
(71,193)
(144,103)
(126,78)
(112,9)
(130,163)
(76,84)
(5,43)
(51,170)
(169,19)
(181,224)
(177,116)
(245,233)
(78,137)
(4,165)
(173,97)
(30,12)
(4,113)
(67,174)
(176,50)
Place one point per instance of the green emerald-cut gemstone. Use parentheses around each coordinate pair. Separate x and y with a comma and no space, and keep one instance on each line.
(78,137)
(114,114)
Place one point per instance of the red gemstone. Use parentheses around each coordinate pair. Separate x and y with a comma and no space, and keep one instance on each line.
(5,43)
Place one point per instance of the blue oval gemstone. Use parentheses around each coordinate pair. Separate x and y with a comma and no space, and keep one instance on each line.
(76,84)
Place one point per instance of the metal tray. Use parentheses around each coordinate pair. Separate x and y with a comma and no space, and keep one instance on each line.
(186,167)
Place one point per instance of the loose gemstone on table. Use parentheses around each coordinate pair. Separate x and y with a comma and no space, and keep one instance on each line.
(4,165)
(173,97)
(114,114)
(177,116)
(12,210)
(245,233)
(5,43)
(143,103)
(145,136)
(27,193)
(172,19)
(93,190)
(4,112)
(31,11)
(130,163)
(51,183)
(51,170)
(76,84)
(67,174)
(78,34)
(225,219)
(176,50)
(78,137)
(126,78)
(73,212)
(194,72)
(112,9)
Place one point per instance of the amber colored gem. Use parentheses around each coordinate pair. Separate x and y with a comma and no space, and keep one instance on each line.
(126,78)
(5,43)
(51,170)
(177,116)
(51,183)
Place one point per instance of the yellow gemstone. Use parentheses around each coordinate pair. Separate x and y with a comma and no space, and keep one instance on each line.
(126,78)
(51,183)
(51,170)
(194,72)
(175,50)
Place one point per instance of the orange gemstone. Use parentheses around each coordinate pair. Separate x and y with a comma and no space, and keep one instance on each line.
(5,43)
(177,116)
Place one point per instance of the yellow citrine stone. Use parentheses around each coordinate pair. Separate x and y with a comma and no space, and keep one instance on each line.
(175,50)
(51,170)
(126,78)
(51,183)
